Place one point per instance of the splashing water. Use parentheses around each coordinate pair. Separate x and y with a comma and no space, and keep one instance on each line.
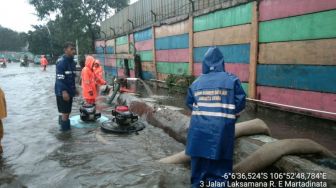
(148,89)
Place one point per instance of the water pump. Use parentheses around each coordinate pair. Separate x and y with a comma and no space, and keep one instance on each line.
(123,121)
(123,116)
(88,113)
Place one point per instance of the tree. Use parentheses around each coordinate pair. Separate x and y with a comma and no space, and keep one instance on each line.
(77,19)
(11,40)
(39,41)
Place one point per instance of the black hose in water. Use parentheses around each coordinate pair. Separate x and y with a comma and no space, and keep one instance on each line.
(137,66)
(116,89)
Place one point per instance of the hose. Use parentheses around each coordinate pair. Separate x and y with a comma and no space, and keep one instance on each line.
(116,89)
(272,152)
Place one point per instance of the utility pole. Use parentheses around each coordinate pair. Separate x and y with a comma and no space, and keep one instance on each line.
(50,42)
(77,50)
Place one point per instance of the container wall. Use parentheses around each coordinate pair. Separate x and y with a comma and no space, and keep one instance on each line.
(144,48)
(100,46)
(110,46)
(295,52)
(297,45)
(229,30)
(172,49)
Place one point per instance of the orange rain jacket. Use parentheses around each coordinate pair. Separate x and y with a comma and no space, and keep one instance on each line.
(3,114)
(88,80)
(3,109)
(98,71)
(43,61)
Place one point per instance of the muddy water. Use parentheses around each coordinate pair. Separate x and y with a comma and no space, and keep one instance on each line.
(282,124)
(36,154)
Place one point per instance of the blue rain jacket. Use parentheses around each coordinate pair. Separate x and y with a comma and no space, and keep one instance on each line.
(65,76)
(214,98)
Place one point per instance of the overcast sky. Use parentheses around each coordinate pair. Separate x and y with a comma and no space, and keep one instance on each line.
(19,15)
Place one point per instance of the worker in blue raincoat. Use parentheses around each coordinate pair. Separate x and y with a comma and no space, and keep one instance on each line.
(65,85)
(215,98)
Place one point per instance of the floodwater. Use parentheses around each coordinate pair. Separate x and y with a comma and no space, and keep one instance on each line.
(36,154)
(283,125)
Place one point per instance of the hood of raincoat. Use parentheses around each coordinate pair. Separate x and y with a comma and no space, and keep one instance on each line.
(97,62)
(213,61)
(89,61)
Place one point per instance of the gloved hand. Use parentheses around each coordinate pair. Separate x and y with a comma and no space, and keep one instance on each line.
(91,93)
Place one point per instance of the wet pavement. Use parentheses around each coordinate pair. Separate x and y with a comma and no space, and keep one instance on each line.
(36,154)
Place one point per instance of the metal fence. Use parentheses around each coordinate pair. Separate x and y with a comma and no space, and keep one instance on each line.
(146,12)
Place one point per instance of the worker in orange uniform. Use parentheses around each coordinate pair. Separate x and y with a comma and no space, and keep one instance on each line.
(89,90)
(3,114)
(44,62)
(98,71)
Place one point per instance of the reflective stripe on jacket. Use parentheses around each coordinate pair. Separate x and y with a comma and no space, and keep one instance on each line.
(65,76)
(214,98)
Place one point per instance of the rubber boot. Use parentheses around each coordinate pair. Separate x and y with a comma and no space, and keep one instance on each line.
(59,119)
(65,125)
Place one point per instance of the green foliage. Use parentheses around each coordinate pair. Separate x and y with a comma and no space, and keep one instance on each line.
(11,40)
(75,20)
(39,42)
(179,83)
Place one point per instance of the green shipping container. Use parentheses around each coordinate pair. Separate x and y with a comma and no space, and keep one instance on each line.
(122,40)
(310,26)
(120,63)
(224,18)
(245,87)
(173,68)
(146,55)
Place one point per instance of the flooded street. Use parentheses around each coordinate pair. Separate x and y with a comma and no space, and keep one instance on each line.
(245,87)
(36,154)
